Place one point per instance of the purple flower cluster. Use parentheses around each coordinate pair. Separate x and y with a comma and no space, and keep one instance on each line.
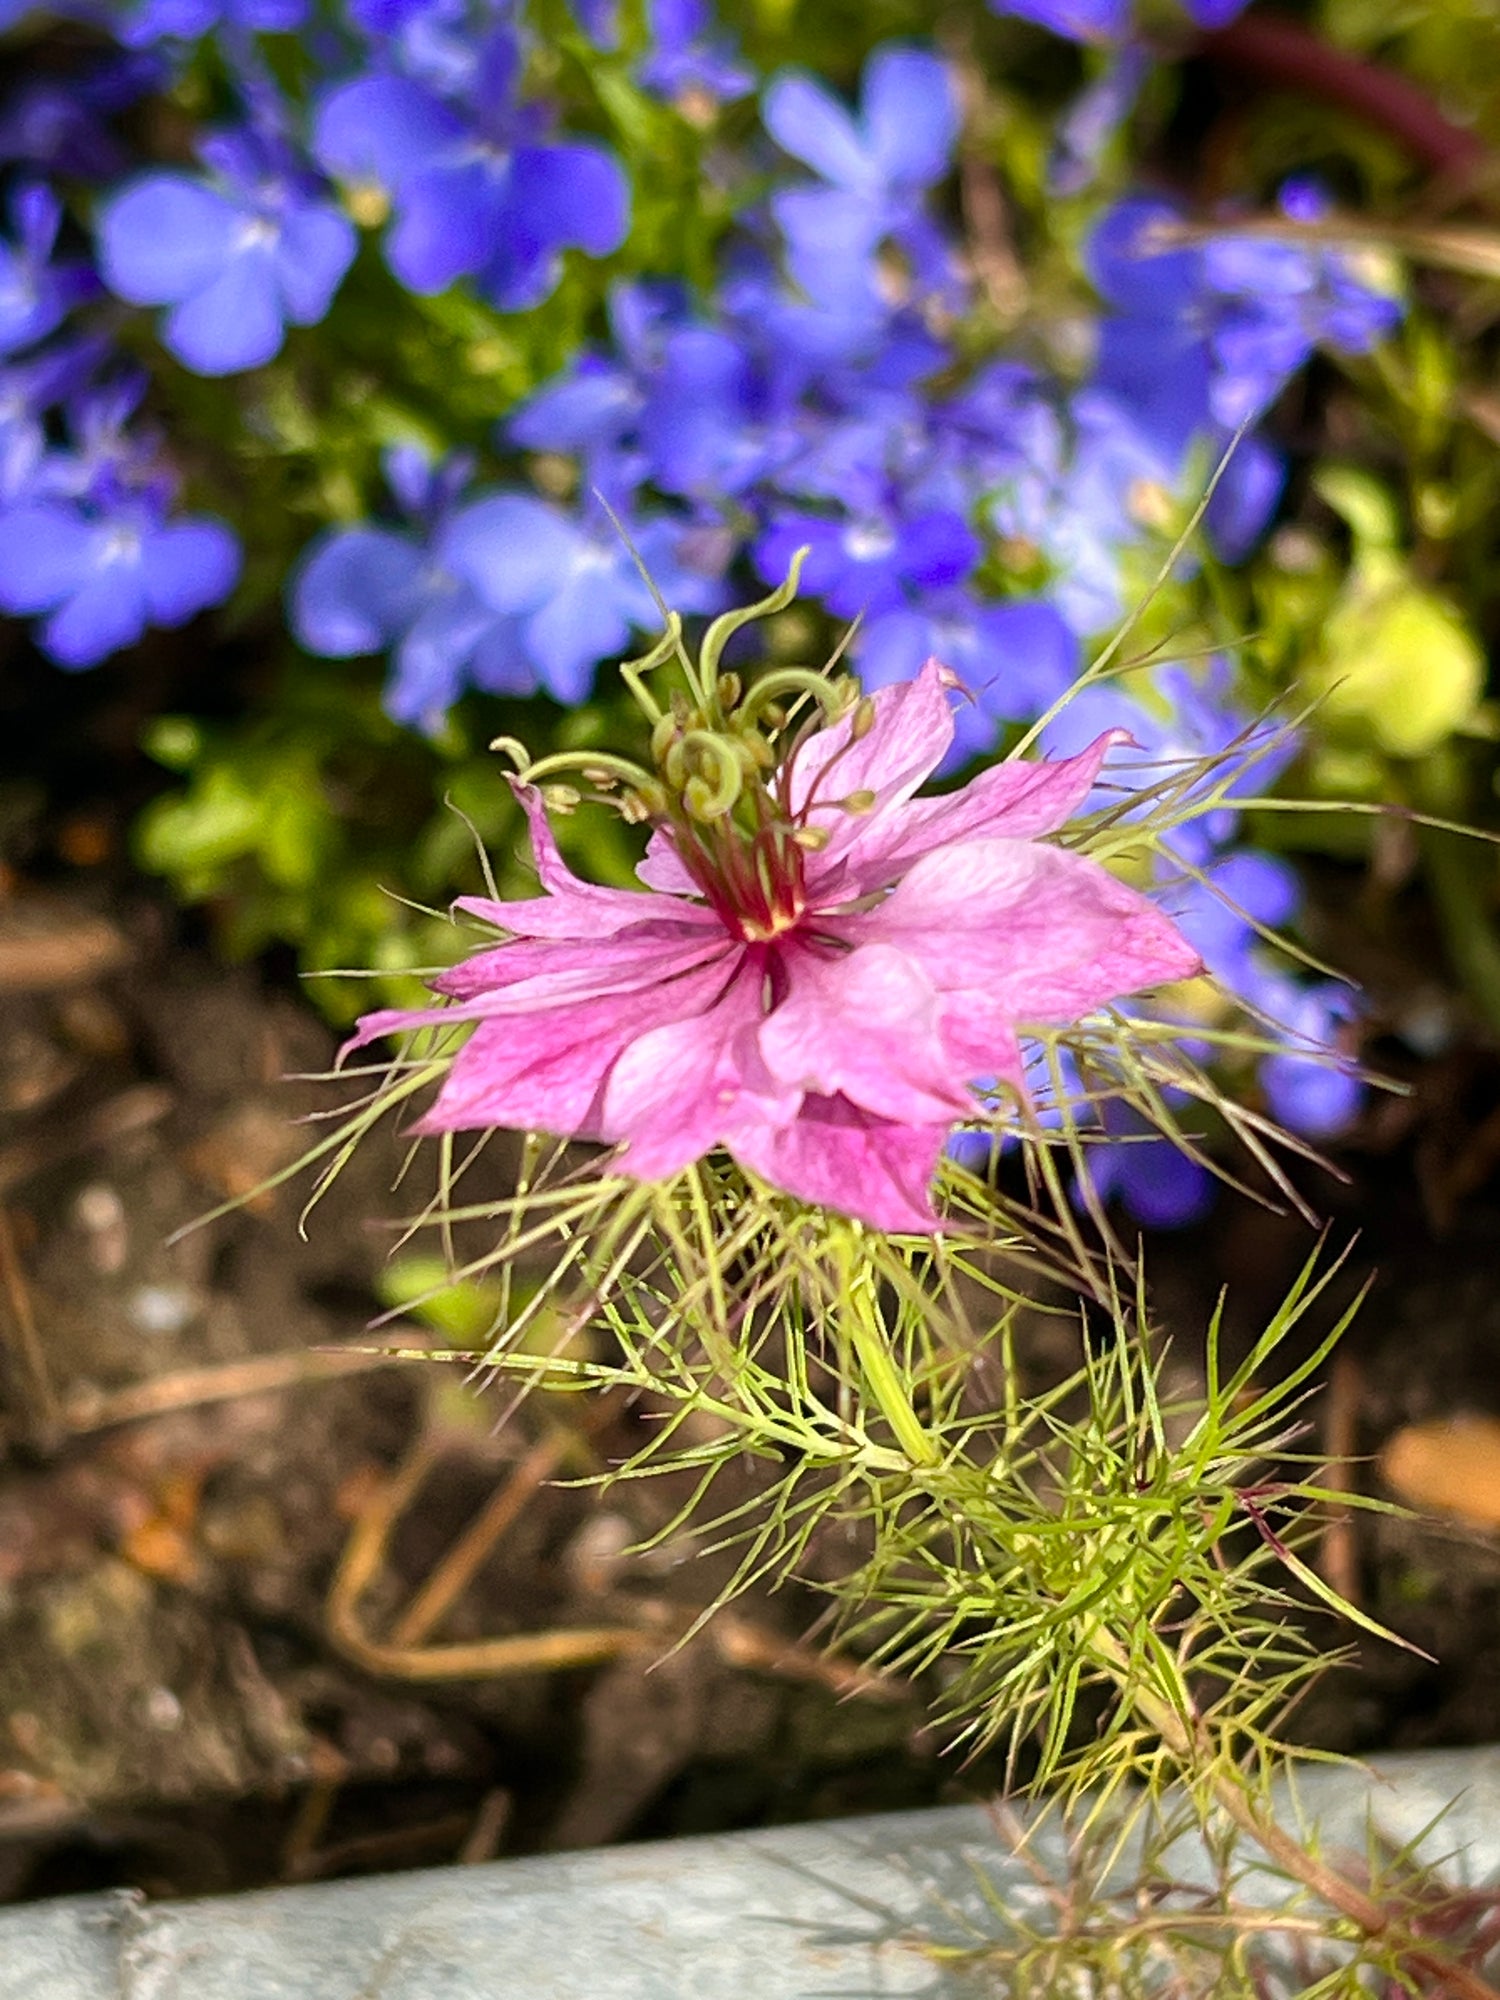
(820,392)
(418,104)
(438,127)
(88,537)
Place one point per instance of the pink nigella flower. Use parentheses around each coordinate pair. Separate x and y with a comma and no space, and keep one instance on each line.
(816,990)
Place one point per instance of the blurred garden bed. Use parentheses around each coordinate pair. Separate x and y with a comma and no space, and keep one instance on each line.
(199,1689)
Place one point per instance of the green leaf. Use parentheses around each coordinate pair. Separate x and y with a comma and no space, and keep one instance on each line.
(1398,665)
(463,1313)
(1362,503)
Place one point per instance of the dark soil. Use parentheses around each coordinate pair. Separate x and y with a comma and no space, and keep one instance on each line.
(178,1710)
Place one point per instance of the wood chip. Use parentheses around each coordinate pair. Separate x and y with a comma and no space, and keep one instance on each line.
(1450,1465)
(45,946)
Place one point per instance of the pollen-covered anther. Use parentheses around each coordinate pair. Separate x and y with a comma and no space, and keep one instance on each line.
(757,750)
(858,803)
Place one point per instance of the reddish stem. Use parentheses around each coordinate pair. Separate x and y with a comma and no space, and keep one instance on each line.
(1283,52)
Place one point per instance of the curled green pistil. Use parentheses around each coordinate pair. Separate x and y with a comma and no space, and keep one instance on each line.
(719,763)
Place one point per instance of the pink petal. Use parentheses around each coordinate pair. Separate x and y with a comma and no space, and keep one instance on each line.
(546,1072)
(1045,935)
(680,1090)
(537,969)
(531,978)
(663,868)
(1015,800)
(573,908)
(866,1023)
(912,730)
(979,1038)
(843,1158)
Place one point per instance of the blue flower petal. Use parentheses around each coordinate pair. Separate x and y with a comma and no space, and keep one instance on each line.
(430,662)
(315,249)
(381,131)
(164,238)
(810,124)
(590,407)
(234,322)
(46,552)
(1079,20)
(107,613)
(568,637)
(185,567)
(448,225)
(354,590)
(575,195)
(513,550)
(911,116)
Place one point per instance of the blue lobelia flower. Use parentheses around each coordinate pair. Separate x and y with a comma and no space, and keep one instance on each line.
(573,584)
(476,190)
(103,574)
(1204,337)
(685,57)
(236,257)
(1014,659)
(1311,1086)
(29,390)
(1109,20)
(149,21)
(1079,20)
(90,543)
(872,562)
(373,589)
(36,295)
(877,169)
(1094,118)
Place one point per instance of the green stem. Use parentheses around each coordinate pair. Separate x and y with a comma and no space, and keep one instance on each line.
(1182,1735)
(582,761)
(868,1338)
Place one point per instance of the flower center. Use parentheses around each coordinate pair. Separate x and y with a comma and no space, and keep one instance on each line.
(754,881)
